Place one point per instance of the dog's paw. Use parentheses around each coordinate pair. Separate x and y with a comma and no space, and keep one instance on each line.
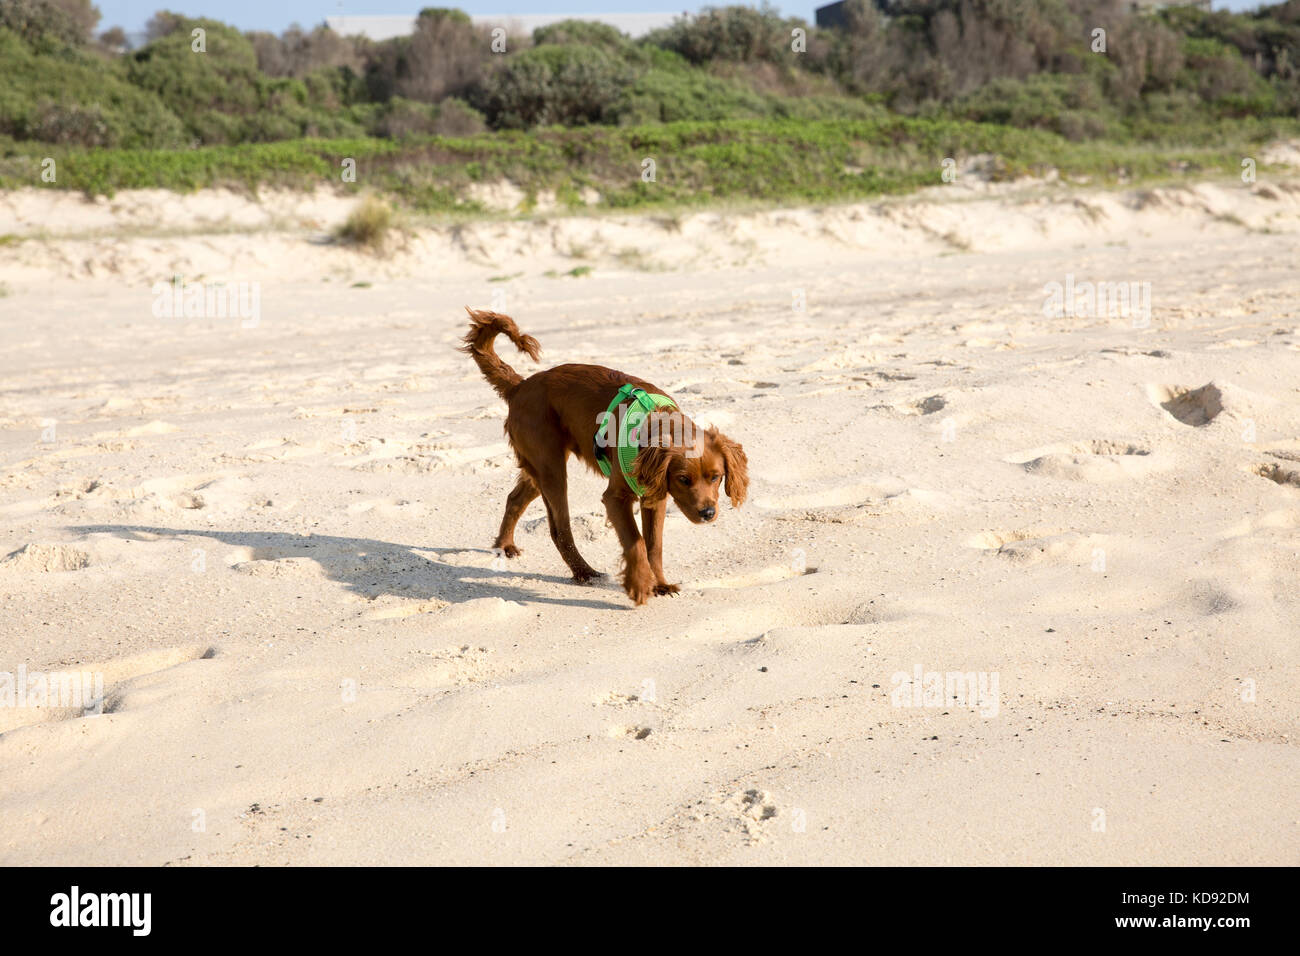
(639,592)
(510,551)
(639,584)
(589,577)
(662,589)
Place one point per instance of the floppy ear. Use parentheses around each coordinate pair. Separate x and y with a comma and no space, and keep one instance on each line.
(737,481)
(651,471)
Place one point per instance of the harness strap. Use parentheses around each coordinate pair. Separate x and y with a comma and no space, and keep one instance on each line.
(624,450)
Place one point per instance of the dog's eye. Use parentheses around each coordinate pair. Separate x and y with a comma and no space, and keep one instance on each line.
(684,479)
(715,479)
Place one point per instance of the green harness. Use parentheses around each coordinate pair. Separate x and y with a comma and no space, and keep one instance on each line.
(641,404)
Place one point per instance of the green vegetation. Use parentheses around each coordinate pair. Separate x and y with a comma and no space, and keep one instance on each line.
(696,163)
(721,102)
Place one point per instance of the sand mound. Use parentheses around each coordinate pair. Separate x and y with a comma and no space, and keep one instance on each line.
(280,236)
(41,558)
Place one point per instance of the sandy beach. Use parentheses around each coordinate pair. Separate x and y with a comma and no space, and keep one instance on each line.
(1016,582)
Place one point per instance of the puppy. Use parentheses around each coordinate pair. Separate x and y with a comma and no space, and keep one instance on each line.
(618,425)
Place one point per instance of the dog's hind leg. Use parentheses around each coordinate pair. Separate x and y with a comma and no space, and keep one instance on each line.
(524,493)
(554,487)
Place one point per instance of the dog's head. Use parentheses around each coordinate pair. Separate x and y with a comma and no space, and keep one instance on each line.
(694,475)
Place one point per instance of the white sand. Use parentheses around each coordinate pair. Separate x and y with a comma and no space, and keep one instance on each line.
(234,525)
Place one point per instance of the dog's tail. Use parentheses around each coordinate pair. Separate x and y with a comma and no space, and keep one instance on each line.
(483,328)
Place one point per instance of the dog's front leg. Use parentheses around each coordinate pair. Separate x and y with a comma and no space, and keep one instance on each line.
(652,524)
(638,579)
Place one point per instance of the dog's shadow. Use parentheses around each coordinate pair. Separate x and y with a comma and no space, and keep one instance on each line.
(371,568)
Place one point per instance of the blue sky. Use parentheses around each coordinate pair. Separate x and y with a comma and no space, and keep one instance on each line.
(275,17)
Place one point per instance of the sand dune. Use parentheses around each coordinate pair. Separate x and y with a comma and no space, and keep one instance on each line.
(272,540)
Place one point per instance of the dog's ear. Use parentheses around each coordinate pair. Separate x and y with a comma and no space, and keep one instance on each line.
(737,480)
(651,471)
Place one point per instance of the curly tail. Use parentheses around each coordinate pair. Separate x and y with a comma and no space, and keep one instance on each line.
(483,328)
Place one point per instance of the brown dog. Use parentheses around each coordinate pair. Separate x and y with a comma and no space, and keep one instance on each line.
(559,412)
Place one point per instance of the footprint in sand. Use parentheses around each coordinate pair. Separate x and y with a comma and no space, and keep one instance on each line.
(453,666)
(1211,599)
(409,458)
(615,699)
(771,575)
(588,526)
(751,811)
(368,573)
(398,608)
(851,504)
(489,613)
(1191,406)
(1153,353)
(928,405)
(1280,520)
(1278,474)
(826,498)
(269,450)
(840,383)
(334,412)
(86,689)
(152,428)
(1031,547)
(633,731)
(920,406)
(1096,460)
(388,508)
(841,514)
(280,568)
(181,493)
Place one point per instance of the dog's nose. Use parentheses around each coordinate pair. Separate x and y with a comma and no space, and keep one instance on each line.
(708,513)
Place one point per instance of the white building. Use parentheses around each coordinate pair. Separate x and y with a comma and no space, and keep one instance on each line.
(387,27)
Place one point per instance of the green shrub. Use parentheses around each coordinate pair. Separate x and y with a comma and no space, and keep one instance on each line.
(547,85)
(73,96)
(683,95)
(1070,105)
(48,24)
(399,118)
(728,33)
(1218,74)
(581,33)
(457,118)
(210,91)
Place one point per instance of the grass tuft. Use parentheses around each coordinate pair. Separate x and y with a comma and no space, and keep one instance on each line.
(369,225)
